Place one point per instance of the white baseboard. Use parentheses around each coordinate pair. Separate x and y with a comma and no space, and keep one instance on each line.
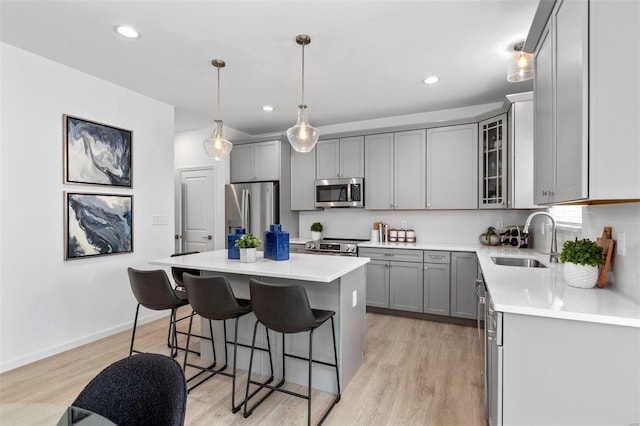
(54,350)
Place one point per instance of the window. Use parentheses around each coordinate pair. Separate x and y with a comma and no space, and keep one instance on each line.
(568,216)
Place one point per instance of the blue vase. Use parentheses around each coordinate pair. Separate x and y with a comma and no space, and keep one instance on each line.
(232,251)
(276,243)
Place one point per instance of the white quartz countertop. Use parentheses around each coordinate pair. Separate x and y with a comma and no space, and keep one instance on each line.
(305,267)
(421,246)
(544,292)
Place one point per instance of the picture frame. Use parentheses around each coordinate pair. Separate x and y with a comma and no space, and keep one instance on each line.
(96,153)
(97,224)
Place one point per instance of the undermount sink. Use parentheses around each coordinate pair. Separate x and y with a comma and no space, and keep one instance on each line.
(523,262)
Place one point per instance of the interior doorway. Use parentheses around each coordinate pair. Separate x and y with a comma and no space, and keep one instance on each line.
(196,212)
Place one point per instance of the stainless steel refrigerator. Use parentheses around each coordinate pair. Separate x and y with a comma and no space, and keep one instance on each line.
(253,206)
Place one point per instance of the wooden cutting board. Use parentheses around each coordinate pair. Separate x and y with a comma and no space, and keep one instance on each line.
(607,244)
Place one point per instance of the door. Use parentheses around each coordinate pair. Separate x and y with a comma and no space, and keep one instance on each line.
(405,286)
(409,159)
(197,187)
(378,172)
(543,119)
(464,273)
(436,288)
(378,283)
(327,159)
(352,157)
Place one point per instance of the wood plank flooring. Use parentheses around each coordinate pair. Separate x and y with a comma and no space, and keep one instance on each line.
(415,372)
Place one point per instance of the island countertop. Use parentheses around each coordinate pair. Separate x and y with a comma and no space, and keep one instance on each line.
(304,267)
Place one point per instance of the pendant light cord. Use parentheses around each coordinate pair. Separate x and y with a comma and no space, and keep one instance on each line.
(218,110)
(303,74)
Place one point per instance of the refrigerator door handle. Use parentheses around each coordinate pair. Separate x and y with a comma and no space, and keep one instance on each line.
(246,210)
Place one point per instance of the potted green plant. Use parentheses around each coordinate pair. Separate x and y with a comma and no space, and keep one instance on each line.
(247,244)
(489,238)
(316,231)
(581,259)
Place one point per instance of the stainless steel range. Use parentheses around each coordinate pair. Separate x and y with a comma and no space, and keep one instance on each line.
(333,246)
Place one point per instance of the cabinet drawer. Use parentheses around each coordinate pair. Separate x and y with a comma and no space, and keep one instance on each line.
(437,256)
(399,255)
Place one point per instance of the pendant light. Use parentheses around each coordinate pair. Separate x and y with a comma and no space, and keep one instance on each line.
(521,65)
(217,147)
(303,136)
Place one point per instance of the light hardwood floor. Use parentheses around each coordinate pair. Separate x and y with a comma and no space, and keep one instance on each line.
(415,372)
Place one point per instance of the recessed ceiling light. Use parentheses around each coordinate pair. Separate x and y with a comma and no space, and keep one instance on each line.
(126,31)
(432,79)
(267,108)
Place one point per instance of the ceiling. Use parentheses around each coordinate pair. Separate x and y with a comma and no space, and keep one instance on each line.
(366,59)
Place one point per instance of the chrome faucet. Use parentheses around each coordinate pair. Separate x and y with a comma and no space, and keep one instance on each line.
(553,255)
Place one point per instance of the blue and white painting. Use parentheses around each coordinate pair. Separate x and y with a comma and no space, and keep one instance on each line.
(96,153)
(98,224)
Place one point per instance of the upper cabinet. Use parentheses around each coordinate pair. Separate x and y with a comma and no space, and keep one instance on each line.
(452,167)
(492,147)
(520,131)
(255,162)
(395,170)
(340,158)
(303,174)
(586,109)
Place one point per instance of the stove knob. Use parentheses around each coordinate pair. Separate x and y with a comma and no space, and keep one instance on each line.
(310,246)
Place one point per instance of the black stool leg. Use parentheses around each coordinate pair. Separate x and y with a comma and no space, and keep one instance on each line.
(335,358)
(133,334)
(310,376)
(186,352)
(253,346)
(234,409)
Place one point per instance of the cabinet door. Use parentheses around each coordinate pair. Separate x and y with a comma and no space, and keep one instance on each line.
(405,286)
(492,149)
(436,289)
(409,160)
(352,157)
(452,167)
(378,284)
(521,155)
(241,163)
(303,176)
(327,159)
(378,178)
(543,119)
(464,272)
(266,160)
(572,103)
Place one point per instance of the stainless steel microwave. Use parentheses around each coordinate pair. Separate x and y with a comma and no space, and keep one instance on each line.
(340,192)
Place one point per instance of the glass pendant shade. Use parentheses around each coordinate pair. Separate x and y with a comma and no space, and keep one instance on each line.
(217,147)
(303,136)
(520,67)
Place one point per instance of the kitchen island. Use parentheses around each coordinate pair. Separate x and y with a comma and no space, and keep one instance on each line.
(334,283)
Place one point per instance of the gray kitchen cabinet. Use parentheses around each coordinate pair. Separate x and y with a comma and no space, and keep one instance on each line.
(464,272)
(452,167)
(395,170)
(492,149)
(436,289)
(303,174)
(586,123)
(405,286)
(340,158)
(520,152)
(394,278)
(378,283)
(255,161)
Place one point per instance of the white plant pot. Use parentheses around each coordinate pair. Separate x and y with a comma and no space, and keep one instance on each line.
(581,276)
(247,255)
(316,236)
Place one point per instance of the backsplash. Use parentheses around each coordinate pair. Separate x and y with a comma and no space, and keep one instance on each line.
(435,226)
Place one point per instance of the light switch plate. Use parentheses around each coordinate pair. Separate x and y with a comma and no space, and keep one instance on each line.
(620,244)
(355,298)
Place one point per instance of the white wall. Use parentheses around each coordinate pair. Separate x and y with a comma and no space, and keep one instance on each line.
(50,305)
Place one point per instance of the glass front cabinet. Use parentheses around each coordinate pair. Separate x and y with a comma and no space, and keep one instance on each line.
(493,163)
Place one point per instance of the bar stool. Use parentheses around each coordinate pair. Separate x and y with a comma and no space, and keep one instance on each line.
(212,298)
(285,309)
(153,290)
(177,273)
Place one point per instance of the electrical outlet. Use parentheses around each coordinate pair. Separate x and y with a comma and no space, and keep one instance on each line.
(403,224)
(500,224)
(159,220)
(620,244)
(355,298)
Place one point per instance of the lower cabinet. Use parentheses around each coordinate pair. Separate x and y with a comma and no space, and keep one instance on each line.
(433,282)
(405,286)
(464,272)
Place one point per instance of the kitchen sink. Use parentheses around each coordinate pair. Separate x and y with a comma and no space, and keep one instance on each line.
(523,262)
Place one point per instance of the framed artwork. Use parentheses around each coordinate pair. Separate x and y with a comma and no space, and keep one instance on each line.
(96,154)
(97,224)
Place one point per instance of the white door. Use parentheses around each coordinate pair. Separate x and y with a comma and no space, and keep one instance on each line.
(197,188)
